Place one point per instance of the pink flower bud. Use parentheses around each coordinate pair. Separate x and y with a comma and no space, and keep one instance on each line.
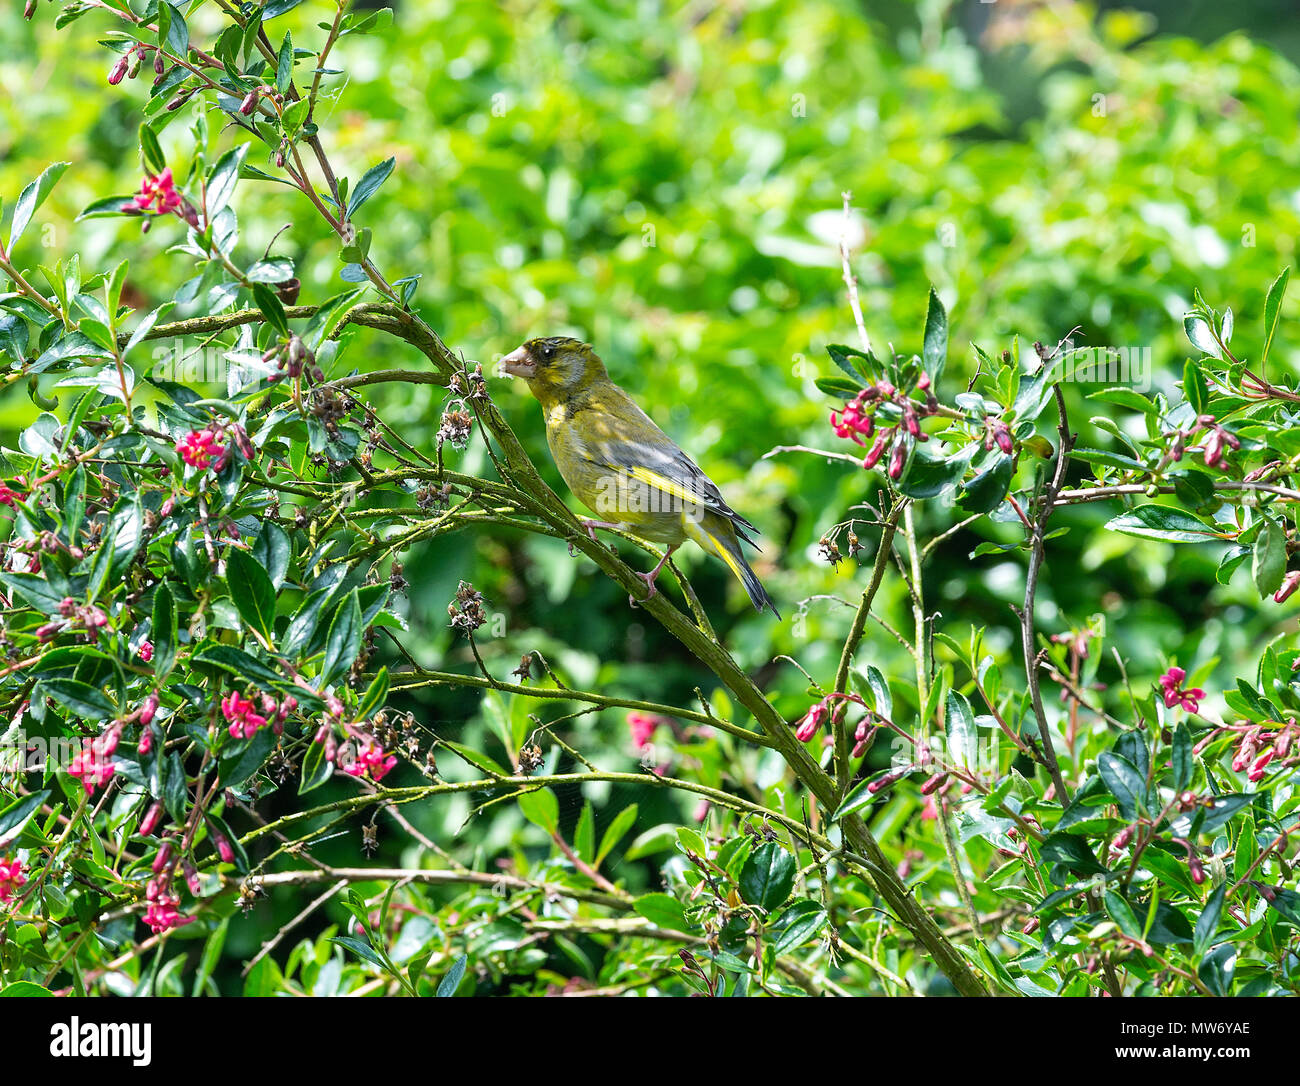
(118,72)
(224,850)
(150,821)
(162,859)
(896,461)
(1197,870)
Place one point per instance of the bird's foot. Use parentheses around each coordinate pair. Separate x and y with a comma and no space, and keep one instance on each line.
(652,576)
(590,526)
(649,579)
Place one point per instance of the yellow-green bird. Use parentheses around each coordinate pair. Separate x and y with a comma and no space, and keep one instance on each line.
(621,466)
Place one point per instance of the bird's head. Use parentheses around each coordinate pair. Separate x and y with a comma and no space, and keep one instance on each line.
(555,367)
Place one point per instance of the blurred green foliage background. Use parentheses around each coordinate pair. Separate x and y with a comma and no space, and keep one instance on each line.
(664,180)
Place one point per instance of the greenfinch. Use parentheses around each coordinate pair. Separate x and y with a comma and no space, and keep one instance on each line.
(620,465)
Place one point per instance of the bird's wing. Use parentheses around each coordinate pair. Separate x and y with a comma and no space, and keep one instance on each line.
(632,445)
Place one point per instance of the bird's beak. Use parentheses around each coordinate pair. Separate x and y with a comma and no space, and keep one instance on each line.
(519,363)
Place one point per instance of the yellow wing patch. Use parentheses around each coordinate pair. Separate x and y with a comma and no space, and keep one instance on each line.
(668,486)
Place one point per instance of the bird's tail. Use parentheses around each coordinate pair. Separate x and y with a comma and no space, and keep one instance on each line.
(727,547)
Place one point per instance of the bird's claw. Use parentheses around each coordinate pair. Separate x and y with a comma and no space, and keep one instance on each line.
(649,579)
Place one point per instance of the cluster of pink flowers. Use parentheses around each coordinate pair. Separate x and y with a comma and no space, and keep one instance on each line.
(1171,682)
(94,765)
(8,495)
(163,911)
(820,714)
(244,720)
(11,878)
(371,760)
(855,420)
(203,449)
(90,618)
(1257,748)
(643,727)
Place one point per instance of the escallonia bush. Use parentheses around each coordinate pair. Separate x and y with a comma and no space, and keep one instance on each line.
(201,629)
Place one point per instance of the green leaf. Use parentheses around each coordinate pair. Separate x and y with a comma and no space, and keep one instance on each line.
(252,592)
(987,490)
(839,387)
(448,985)
(273,551)
(222,179)
(1124,781)
(846,359)
(271,308)
(176,37)
(369,184)
(1163,522)
(1273,310)
(768,876)
(1212,816)
(284,65)
(1208,922)
(1120,911)
(663,911)
(163,631)
(1217,968)
(360,948)
(83,700)
(934,352)
(31,198)
(584,836)
(615,832)
(1269,562)
(25,989)
(278,7)
(151,151)
(959,726)
(14,817)
(1202,337)
(238,662)
(316,768)
(344,640)
(541,808)
(1072,852)
(802,921)
(246,757)
(1194,386)
(375,696)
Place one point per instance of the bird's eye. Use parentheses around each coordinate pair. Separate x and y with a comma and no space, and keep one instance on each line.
(548,351)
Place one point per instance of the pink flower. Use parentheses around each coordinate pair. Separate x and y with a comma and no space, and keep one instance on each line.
(8,495)
(642,725)
(238,710)
(94,765)
(202,449)
(11,878)
(811,722)
(163,912)
(702,810)
(852,421)
(146,651)
(371,759)
(1171,683)
(159,190)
